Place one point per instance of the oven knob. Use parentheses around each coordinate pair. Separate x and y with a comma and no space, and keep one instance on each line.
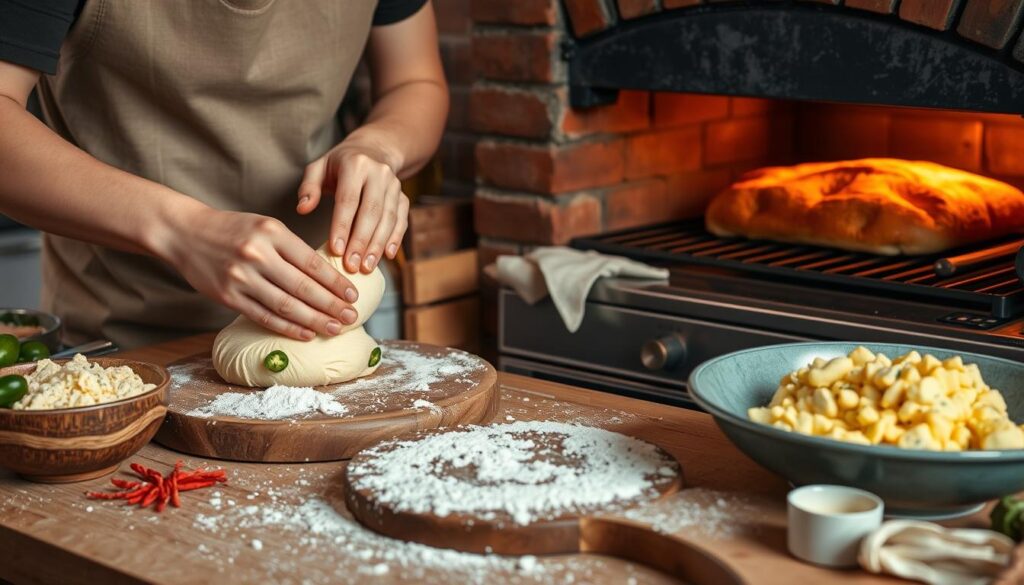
(663,353)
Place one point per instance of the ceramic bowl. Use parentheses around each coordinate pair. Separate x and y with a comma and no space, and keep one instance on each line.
(51,324)
(76,444)
(912,483)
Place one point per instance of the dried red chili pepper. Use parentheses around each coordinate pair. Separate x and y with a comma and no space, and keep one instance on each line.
(158,489)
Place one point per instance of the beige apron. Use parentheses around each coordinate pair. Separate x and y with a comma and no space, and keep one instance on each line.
(223,100)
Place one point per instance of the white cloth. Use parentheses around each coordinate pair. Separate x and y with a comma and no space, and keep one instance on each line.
(927,552)
(567,275)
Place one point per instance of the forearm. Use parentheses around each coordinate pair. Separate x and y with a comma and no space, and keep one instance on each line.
(405,125)
(48,183)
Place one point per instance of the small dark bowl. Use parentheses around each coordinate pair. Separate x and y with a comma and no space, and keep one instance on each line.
(51,324)
(912,483)
(75,444)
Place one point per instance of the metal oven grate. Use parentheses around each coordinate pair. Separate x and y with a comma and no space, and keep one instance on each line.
(993,285)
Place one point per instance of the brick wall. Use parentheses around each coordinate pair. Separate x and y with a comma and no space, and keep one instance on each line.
(456,152)
(544,173)
(547,173)
(987,144)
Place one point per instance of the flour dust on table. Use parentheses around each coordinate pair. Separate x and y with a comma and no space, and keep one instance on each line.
(292,528)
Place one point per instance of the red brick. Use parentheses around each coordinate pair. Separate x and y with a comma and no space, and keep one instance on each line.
(736,140)
(458,111)
(882,6)
(535,220)
(457,58)
(520,12)
(668,4)
(521,56)
(629,113)
(636,8)
(675,109)
(1004,149)
(488,250)
(692,191)
(937,14)
(452,16)
(510,112)
(550,169)
(587,16)
(830,132)
(639,203)
(956,143)
(663,152)
(744,106)
(458,159)
(990,22)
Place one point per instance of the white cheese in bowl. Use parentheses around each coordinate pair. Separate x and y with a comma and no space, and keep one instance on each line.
(78,382)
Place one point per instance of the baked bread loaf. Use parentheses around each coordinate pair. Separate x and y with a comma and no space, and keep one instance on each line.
(878,205)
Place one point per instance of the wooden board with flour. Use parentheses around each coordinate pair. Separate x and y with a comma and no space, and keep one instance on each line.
(260,396)
(415,387)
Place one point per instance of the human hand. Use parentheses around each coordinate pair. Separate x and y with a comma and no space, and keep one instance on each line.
(258,267)
(370,211)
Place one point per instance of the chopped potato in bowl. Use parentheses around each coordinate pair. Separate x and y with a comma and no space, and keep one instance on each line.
(911,401)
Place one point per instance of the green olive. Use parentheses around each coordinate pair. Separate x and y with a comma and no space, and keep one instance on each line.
(33,351)
(374,357)
(276,361)
(12,388)
(9,348)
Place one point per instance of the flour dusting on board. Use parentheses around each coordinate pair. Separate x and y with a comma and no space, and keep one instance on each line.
(416,372)
(518,472)
(274,403)
(410,376)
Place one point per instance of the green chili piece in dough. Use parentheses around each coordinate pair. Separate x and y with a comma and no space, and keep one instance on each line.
(12,388)
(374,357)
(276,361)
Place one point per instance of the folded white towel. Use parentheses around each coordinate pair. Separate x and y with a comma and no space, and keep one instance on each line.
(923,551)
(567,275)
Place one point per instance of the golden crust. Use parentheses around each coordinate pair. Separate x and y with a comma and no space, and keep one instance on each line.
(878,205)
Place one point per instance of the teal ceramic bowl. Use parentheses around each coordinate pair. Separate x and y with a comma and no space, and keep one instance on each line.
(912,483)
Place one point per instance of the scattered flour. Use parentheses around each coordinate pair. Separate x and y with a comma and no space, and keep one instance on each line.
(312,528)
(274,403)
(416,372)
(522,472)
(406,379)
(711,513)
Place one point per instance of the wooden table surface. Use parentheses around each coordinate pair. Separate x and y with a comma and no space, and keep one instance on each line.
(275,523)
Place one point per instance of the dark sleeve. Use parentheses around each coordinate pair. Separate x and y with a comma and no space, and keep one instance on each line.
(32,31)
(392,11)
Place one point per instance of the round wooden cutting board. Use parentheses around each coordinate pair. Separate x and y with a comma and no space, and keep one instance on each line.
(495,529)
(416,387)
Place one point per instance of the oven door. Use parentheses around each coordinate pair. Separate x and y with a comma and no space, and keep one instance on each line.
(617,349)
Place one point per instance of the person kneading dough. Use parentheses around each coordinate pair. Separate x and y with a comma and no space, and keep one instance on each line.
(242,350)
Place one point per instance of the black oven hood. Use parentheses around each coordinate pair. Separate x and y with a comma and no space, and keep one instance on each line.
(798,50)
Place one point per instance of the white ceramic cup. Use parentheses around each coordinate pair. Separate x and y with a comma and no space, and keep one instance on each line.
(827,523)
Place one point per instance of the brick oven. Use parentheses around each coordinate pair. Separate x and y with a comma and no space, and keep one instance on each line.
(595,116)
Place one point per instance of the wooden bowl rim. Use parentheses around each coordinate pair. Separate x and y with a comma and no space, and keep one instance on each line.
(106,362)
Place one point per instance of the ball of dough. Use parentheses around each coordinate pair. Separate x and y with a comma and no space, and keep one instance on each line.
(240,348)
